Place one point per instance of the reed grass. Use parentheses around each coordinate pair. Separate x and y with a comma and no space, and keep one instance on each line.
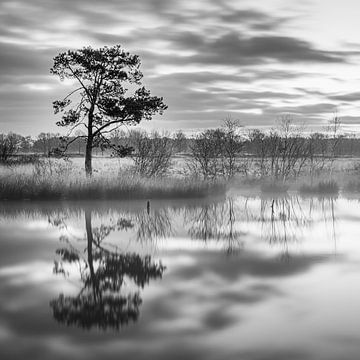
(34,187)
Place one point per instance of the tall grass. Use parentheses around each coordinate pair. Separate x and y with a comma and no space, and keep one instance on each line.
(128,186)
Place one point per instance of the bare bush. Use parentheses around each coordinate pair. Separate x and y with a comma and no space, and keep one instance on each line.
(231,147)
(205,153)
(153,153)
(289,151)
(9,145)
(284,152)
(180,142)
(215,153)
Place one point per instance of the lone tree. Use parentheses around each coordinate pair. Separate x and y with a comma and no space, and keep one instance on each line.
(101,102)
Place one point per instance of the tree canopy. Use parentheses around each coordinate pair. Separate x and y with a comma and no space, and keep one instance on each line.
(109,94)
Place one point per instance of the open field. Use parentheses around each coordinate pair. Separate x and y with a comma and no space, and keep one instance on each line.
(113,178)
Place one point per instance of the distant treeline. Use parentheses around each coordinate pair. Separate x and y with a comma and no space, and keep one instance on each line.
(255,143)
(284,152)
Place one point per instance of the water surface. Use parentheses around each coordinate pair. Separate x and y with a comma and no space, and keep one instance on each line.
(230,278)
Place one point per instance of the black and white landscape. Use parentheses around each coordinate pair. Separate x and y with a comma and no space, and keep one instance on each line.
(179,179)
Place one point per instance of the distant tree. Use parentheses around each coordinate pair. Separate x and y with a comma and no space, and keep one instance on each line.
(215,152)
(43,142)
(205,152)
(46,143)
(232,145)
(26,144)
(259,149)
(334,127)
(102,102)
(80,141)
(180,141)
(9,145)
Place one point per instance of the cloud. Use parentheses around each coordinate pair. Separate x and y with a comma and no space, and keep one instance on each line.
(235,49)
(305,110)
(196,54)
(350,120)
(246,15)
(348,97)
(248,264)
(19,60)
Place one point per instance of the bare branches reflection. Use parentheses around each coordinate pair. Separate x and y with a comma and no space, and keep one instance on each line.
(216,222)
(153,224)
(101,302)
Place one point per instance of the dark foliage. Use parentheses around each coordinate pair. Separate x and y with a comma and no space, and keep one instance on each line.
(102,102)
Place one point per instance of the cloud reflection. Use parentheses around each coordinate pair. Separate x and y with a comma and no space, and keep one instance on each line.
(204,301)
(103,272)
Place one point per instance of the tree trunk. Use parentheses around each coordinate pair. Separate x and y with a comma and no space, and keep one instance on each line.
(88,157)
(90,240)
(89,143)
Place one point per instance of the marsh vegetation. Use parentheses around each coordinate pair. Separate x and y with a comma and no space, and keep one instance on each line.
(165,165)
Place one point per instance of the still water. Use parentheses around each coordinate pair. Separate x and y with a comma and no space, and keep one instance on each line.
(231,278)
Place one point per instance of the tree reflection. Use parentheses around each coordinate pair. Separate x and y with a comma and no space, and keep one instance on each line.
(284,219)
(215,222)
(152,225)
(328,211)
(287,219)
(101,302)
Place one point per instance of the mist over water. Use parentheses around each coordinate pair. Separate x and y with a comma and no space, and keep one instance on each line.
(237,277)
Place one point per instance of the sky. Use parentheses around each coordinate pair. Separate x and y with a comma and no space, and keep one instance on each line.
(209,59)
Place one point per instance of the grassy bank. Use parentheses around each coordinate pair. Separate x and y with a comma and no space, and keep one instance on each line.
(55,179)
(66,187)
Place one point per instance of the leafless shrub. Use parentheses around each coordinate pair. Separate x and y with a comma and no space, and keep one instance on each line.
(205,153)
(180,142)
(215,153)
(231,147)
(284,152)
(9,145)
(153,153)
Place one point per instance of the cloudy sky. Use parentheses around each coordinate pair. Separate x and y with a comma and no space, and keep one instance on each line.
(209,59)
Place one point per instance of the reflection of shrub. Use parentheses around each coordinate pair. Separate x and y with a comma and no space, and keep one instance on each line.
(353,186)
(274,187)
(323,187)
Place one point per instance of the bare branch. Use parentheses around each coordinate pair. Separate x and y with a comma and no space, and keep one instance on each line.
(107,125)
(82,84)
(72,141)
(72,92)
